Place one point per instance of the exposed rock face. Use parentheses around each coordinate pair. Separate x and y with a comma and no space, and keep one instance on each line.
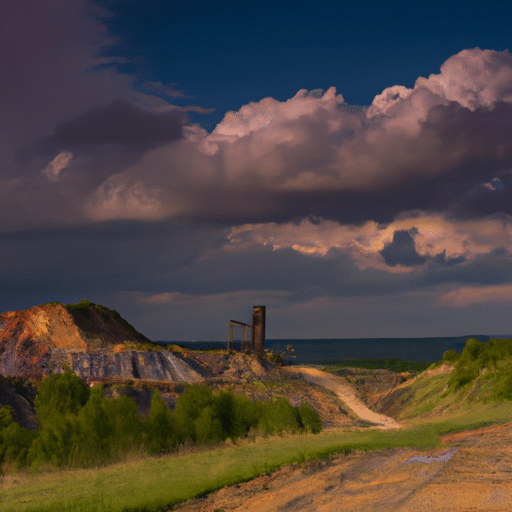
(97,365)
(53,337)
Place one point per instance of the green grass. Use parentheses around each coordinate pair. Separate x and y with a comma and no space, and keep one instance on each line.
(428,393)
(151,483)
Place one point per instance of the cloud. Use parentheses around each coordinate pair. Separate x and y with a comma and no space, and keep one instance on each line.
(162,89)
(432,147)
(468,295)
(402,250)
(59,163)
(409,241)
(117,123)
(118,201)
(57,72)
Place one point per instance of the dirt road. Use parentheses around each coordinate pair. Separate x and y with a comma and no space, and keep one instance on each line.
(472,472)
(346,393)
(477,478)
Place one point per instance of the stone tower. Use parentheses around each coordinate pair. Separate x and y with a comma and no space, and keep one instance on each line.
(258,330)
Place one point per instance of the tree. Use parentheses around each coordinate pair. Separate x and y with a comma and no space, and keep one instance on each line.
(60,394)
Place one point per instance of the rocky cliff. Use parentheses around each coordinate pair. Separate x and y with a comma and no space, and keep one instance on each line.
(92,340)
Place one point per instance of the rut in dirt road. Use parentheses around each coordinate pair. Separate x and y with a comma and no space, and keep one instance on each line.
(346,393)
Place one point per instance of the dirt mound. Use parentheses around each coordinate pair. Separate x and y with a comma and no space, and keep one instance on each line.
(27,337)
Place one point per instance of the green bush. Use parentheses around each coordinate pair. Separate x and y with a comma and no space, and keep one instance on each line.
(80,427)
(502,389)
(467,367)
(277,417)
(161,435)
(208,426)
(60,394)
(15,441)
(94,442)
(493,358)
(309,418)
(191,403)
(450,356)
(82,305)
(56,444)
(125,425)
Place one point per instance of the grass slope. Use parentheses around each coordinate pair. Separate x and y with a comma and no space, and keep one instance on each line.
(429,407)
(152,483)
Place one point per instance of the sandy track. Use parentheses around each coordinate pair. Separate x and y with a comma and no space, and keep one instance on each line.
(346,393)
(477,478)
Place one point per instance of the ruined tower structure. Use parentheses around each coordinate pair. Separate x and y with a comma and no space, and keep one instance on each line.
(258,330)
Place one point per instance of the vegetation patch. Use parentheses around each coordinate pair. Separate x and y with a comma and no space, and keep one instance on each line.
(493,360)
(114,488)
(394,365)
(80,427)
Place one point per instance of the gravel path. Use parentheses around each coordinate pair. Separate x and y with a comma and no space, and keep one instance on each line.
(346,393)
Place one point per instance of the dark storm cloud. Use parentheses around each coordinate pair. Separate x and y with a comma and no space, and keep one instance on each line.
(92,260)
(442,260)
(402,251)
(117,123)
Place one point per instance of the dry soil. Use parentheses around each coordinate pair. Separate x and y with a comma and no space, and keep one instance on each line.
(478,477)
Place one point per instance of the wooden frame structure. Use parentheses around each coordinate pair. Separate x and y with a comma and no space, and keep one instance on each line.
(245,328)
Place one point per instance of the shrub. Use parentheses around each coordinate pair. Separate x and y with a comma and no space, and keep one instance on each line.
(502,386)
(160,434)
(124,424)
(94,441)
(60,394)
(191,403)
(56,444)
(467,367)
(450,356)
(15,441)
(309,418)
(277,417)
(208,426)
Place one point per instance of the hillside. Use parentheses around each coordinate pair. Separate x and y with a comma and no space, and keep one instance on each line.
(94,341)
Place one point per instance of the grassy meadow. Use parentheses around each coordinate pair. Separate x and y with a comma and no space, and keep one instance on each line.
(474,394)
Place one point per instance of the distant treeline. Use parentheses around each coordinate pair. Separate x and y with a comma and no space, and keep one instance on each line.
(80,427)
(393,364)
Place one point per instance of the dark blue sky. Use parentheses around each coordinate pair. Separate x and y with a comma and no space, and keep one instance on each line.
(228,53)
(346,164)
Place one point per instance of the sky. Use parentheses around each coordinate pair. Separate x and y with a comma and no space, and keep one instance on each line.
(347,165)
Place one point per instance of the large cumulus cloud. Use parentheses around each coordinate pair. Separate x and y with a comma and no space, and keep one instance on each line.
(434,147)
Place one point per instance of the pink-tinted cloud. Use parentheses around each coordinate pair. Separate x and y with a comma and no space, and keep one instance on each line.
(57,165)
(468,295)
(433,236)
(426,147)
